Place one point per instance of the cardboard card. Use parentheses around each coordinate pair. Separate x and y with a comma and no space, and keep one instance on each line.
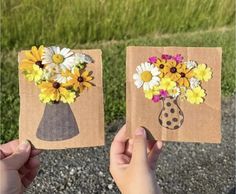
(174,92)
(65,112)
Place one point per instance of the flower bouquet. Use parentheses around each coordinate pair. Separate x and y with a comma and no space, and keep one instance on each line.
(61,76)
(169,78)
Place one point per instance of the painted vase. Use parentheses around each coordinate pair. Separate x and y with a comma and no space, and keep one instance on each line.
(58,123)
(171,116)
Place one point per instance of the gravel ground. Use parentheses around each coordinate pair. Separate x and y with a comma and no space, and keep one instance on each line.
(183,168)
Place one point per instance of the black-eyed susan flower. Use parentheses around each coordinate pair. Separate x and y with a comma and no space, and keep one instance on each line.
(172,69)
(185,76)
(52,91)
(161,63)
(80,80)
(31,65)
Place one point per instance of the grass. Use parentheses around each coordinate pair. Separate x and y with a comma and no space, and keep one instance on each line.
(114,71)
(75,22)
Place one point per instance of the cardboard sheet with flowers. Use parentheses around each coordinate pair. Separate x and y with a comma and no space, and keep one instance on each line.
(174,92)
(61,100)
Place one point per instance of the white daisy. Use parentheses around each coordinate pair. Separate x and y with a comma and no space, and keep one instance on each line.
(58,58)
(174,92)
(191,64)
(146,76)
(194,82)
(82,58)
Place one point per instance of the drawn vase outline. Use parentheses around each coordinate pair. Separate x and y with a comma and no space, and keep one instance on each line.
(171,116)
(58,123)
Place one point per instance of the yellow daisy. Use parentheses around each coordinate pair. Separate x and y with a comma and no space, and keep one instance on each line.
(202,72)
(167,84)
(55,92)
(196,95)
(80,80)
(150,93)
(185,75)
(172,69)
(35,74)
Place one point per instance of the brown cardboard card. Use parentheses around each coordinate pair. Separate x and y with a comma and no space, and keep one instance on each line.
(174,92)
(59,125)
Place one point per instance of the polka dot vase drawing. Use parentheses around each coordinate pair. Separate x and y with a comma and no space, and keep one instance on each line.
(169,79)
(171,116)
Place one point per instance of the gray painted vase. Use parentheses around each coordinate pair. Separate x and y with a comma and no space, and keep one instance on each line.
(58,123)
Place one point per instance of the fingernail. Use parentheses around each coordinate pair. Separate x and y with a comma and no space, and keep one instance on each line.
(159,144)
(24,146)
(140,132)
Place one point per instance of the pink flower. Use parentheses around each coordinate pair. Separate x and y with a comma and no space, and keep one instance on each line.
(163,93)
(156,98)
(166,56)
(178,58)
(152,59)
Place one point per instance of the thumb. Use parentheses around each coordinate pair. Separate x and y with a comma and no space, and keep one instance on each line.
(139,153)
(19,157)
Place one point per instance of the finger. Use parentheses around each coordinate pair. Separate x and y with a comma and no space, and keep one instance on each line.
(129,148)
(35,152)
(119,142)
(32,163)
(2,155)
(29,177)
(154,154)
(10,147)
(139,153)
(19,157)
(150,144)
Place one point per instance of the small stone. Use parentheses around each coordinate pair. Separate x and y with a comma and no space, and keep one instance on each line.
(72,171)
(110,186)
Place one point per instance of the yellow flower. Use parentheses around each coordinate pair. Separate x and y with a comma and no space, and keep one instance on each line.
(32,57)
(167,84)
(185,75)
(202,72)
(35,74)
(150,93)
(55,92)
(195,96)
(172,69)
(160,63)
(80,80)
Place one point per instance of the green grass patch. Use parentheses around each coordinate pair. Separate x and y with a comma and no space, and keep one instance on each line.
(114,72)
(70,22)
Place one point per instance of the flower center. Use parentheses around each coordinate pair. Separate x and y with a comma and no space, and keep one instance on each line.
(39,63)
(182,74)
(56,85)
(202,73)
(196,95)
(57,58)
(146,76)
(80,79)
(173,70)
(161,66)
